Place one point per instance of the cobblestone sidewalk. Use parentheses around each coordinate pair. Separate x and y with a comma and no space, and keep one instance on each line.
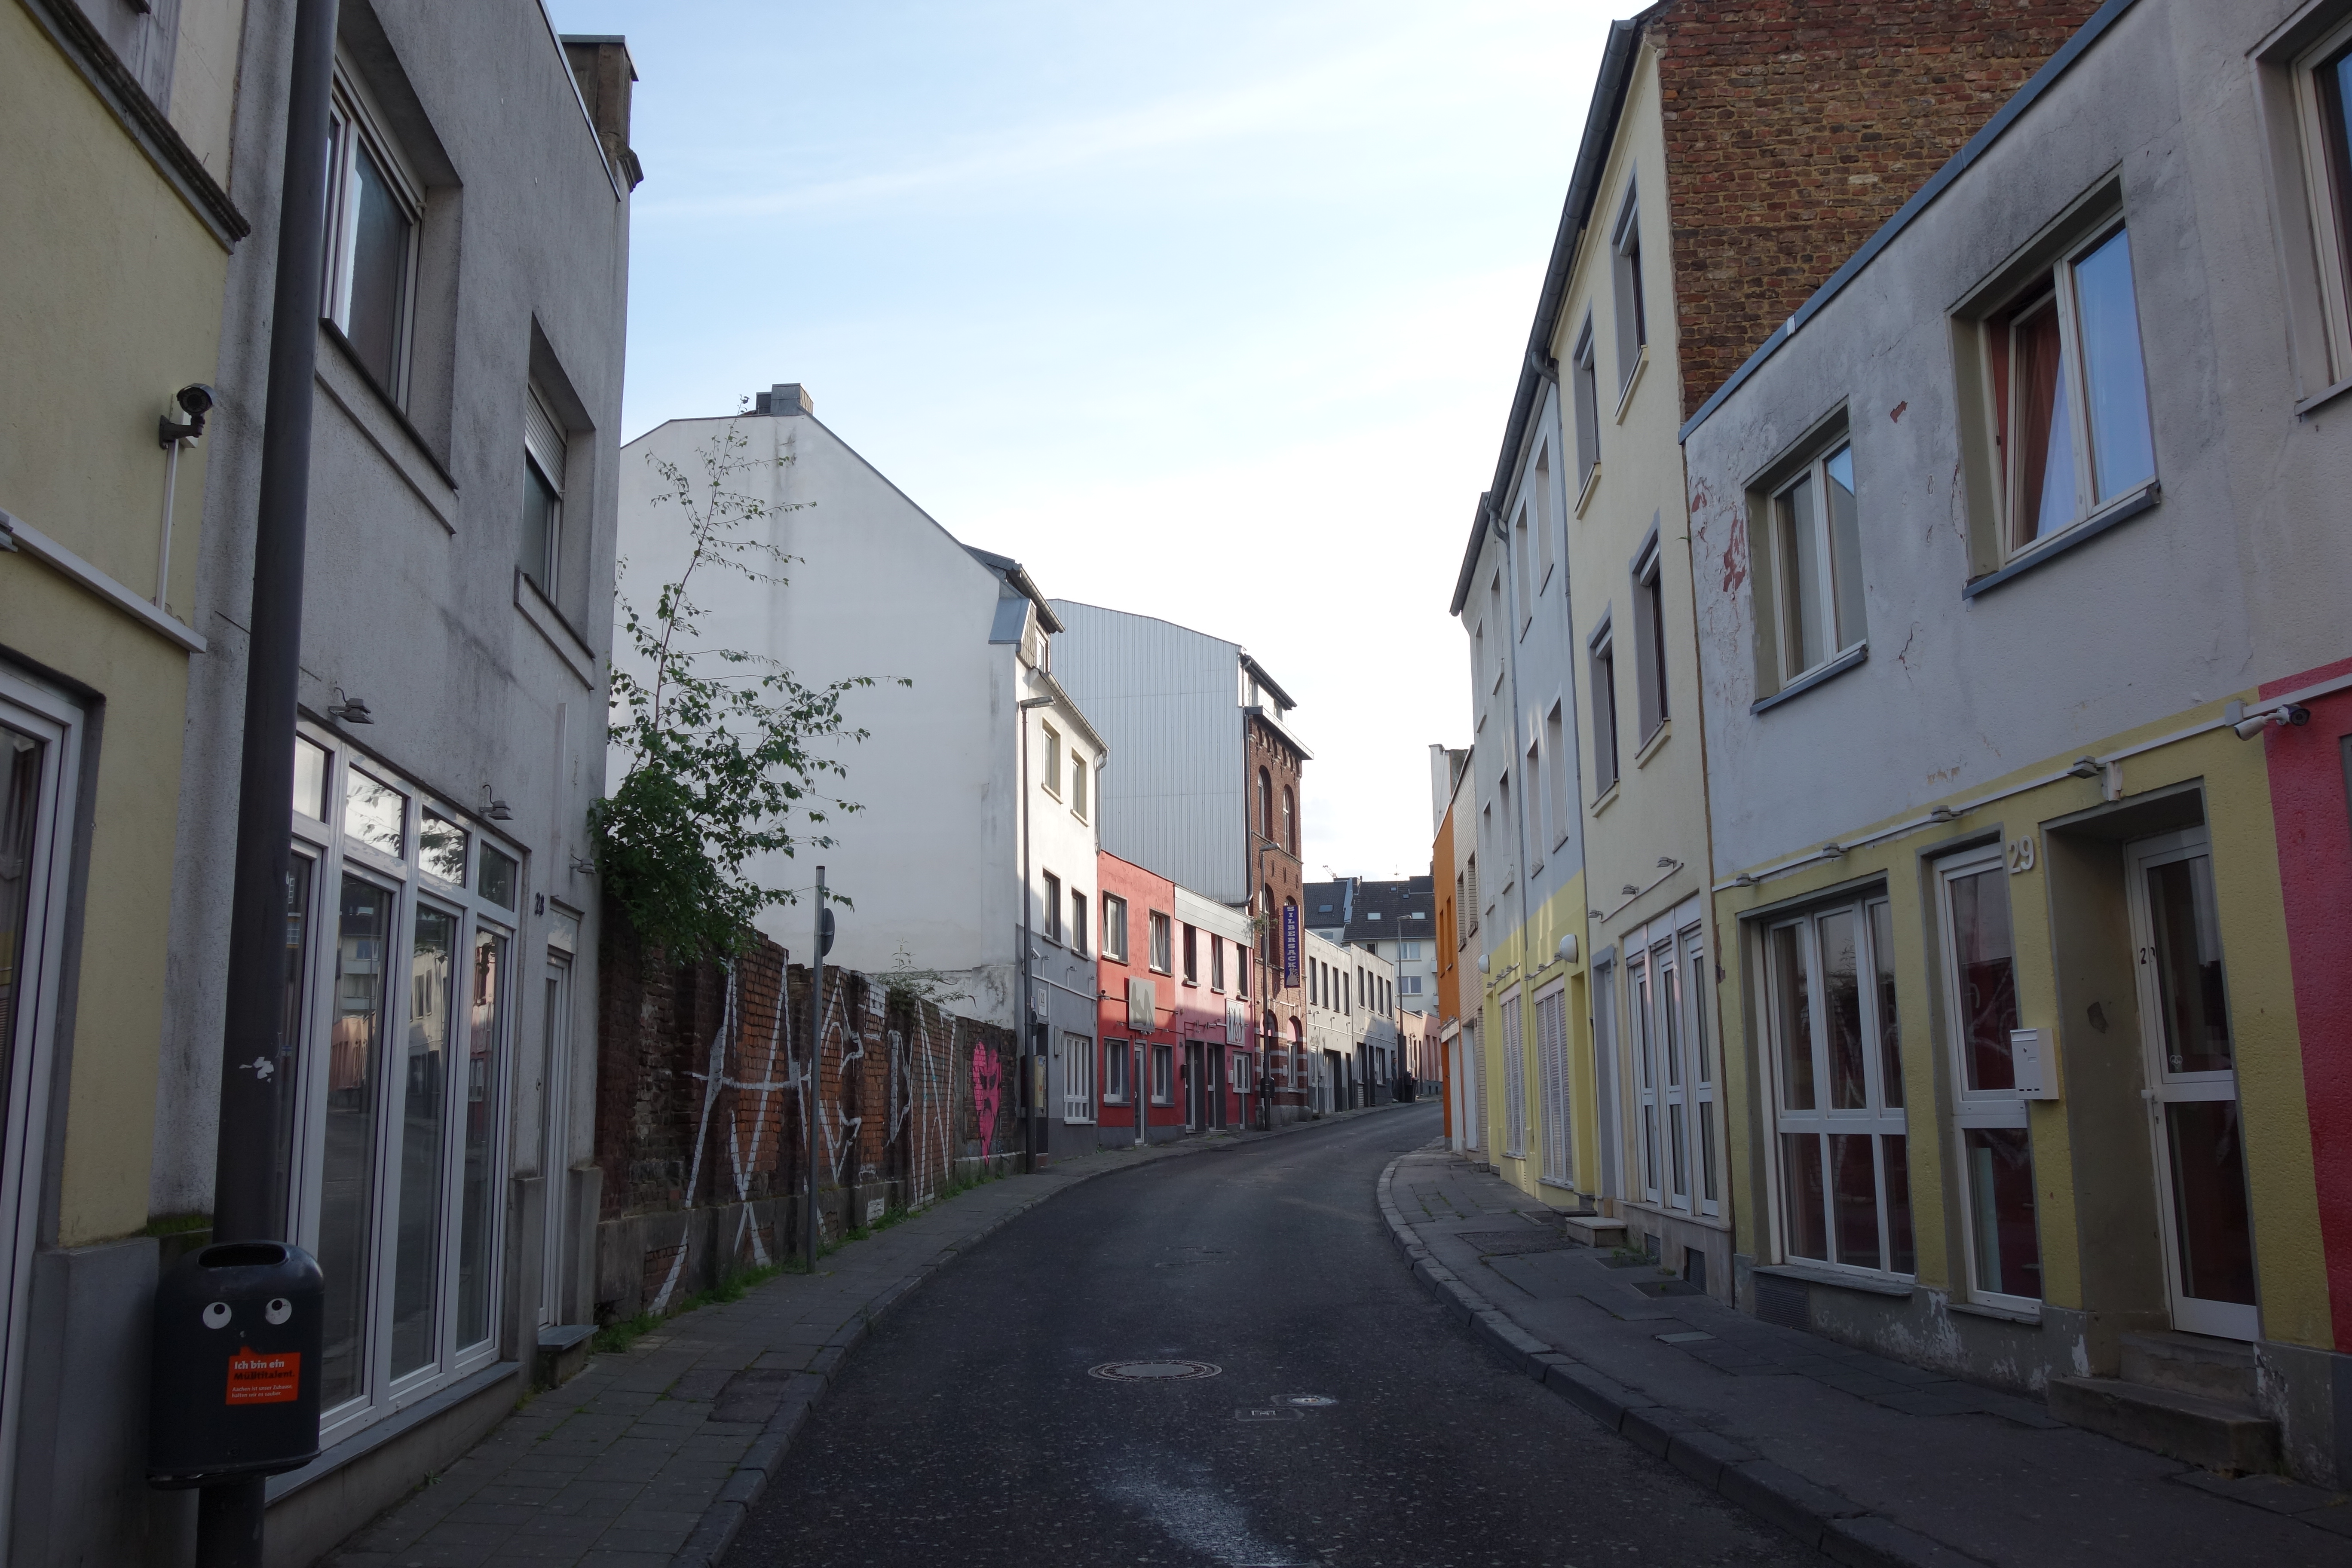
(651,1457)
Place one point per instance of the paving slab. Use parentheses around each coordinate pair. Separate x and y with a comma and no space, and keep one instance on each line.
(1869,1459)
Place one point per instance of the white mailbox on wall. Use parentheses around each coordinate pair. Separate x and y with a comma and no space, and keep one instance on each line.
(2037,1074)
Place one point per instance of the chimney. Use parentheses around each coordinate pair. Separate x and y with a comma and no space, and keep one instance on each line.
(600,65)
(784,400)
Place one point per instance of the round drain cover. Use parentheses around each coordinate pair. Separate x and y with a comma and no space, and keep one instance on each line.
(1152,1371)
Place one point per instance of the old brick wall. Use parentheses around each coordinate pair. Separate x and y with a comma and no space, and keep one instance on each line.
(699,1125)
(1795,128)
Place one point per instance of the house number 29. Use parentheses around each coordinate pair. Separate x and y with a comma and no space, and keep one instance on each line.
(2020,855)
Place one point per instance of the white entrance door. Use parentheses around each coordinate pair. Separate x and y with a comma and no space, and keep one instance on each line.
(2192,1093)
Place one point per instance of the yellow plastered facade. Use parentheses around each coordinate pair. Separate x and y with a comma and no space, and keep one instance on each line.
(1561,914)
(114,300)
(2291,1276)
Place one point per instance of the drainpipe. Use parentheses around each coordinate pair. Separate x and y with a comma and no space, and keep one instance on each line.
(247,1206)
(1033,1123)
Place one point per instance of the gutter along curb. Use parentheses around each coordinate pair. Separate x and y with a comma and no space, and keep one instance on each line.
(763,1461)
(1840,1529)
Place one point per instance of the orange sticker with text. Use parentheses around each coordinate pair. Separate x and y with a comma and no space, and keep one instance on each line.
(265,1377)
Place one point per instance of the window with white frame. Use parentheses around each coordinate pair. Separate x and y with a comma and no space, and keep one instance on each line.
(1809,602)
(1216,962)
(1551,1061)
(1603,662)
(1633,313)
(1837,1071)
(401,922)
(1676,1078)
(1115,1054)
(2318,76)
(1053,902)
(1409,984)
(1540,490)
(1078,1078)
(1191,954)
(1163,1075)
(1079,904)
(1650,638)
(544,446)
(1523,557)
(1531,777)
(1053,780)
(1585,384)
(1501,623)
(1114,928)
(1556,785)
(1989,1130)
(2070,425)
(1162,938)
(374,207)
(1511,1040)
(40,769)
(1078,786)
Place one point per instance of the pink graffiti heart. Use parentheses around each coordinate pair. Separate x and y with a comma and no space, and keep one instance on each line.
(987,1092)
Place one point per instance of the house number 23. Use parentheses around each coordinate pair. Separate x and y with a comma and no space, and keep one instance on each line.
(2020,855)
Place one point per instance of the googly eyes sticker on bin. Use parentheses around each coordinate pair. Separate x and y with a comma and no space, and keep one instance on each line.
(216,1316)
(278,1310)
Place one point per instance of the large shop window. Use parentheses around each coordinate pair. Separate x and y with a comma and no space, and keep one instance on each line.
(1837,1076)
(1673,1067)
(1995,1150)
(403,1007)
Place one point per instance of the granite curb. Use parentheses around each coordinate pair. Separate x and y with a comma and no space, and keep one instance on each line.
(723,1520)
(1842,1531)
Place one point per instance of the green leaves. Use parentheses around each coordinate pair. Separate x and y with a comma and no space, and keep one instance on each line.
(727,752)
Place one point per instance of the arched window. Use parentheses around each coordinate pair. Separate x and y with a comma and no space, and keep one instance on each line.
(1289,821)
(1264,804)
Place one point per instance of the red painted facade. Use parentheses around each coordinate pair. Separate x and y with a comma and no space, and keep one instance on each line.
(1188,1036)
(2308,766)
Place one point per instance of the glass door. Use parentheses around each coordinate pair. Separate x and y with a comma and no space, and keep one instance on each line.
(2192,1086)
(555,1135)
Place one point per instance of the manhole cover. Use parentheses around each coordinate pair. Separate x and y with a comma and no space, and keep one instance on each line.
(1152,1371)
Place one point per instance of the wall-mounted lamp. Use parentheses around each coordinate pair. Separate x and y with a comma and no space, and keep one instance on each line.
(1596,914)
(1743,880)
(1833,850)
(1482,963)
(1629,889)
(1567,949)
(1668,863)
(1941,813)
(2085,768)
(580,867)
(349,709)
(2253,724)
(497,811)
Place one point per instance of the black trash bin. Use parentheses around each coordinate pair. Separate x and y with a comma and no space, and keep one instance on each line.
(239,1329)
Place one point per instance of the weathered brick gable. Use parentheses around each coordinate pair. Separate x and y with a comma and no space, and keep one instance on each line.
(1794,128)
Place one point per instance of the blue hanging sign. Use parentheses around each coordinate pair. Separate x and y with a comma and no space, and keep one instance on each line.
(1289,946)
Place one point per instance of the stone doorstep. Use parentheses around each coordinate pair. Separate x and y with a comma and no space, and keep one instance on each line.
(1593,1230)
(2219,1434)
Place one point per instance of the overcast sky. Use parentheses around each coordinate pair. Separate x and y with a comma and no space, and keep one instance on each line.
(1209,312)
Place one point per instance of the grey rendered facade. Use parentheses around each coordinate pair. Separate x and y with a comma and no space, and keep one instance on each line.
(2072,695)
(433,1122)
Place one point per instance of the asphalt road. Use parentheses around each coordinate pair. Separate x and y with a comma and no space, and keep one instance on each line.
(966,1429)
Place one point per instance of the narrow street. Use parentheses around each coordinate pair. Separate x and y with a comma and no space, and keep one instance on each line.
(968,1422)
